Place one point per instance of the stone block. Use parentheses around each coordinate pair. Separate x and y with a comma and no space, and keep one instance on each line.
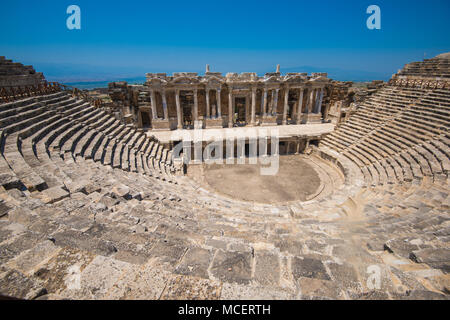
(17,285)
(213,123)
(267,268)
(268,121)
(431,255)
(311,288)
(191,288)
(309,268)
(232,267)
(160,125)
(121,191)
(233,291)
(195,263)
(52,195)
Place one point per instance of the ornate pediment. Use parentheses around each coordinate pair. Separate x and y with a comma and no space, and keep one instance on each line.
(213,81)
(271,79)
(294,79)
(156,82)
(320,79)
(185,80)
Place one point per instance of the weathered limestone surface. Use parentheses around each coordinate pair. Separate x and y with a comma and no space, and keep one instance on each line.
(14,74)
(113,220)
(52,195)
(214,101)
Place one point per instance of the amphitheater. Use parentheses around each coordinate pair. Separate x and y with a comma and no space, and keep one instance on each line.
(93,206)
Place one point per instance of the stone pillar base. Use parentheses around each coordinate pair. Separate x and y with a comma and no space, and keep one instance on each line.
(294,119)
(160,125)
(213,123)
(198,124)
(269,121)
(312,118)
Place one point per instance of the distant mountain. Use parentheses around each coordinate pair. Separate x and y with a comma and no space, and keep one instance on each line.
(342,74)
(86,76)
(103,84)
(66,73)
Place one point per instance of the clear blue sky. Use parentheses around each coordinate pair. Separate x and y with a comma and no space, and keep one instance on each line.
(129,38)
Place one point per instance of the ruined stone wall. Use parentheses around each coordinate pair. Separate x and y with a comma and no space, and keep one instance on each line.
(163,90)
(14,74)
(125,101)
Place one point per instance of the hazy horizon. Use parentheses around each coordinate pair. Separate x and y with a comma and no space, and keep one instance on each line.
(126,40)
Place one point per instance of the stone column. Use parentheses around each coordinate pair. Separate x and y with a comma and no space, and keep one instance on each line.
(275,101)
(247,107)
(179,115)
(265,102)
(297,149)
(230,109)
(208,111)
(300,106)
(307,100)
(286,105)
(153,102)
(195,105)
(311,101)
(319,104)
(219,109)
(262,104)
(253,106)
(316,100)
(272,103)
(164,102)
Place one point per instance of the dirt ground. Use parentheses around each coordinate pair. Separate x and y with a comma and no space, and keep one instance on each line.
(295,180)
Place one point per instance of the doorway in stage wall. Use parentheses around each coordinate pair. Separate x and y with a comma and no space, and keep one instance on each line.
(187,117)
(239,111)
(292,101)
(187,105)
(146,122)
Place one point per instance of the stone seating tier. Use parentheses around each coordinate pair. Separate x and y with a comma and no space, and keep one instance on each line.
(78,188)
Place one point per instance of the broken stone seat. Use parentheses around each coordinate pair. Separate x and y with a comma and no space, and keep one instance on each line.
(117,239)
(108,203)
(30,101)
(364,151)
(31,122)
(69,135)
